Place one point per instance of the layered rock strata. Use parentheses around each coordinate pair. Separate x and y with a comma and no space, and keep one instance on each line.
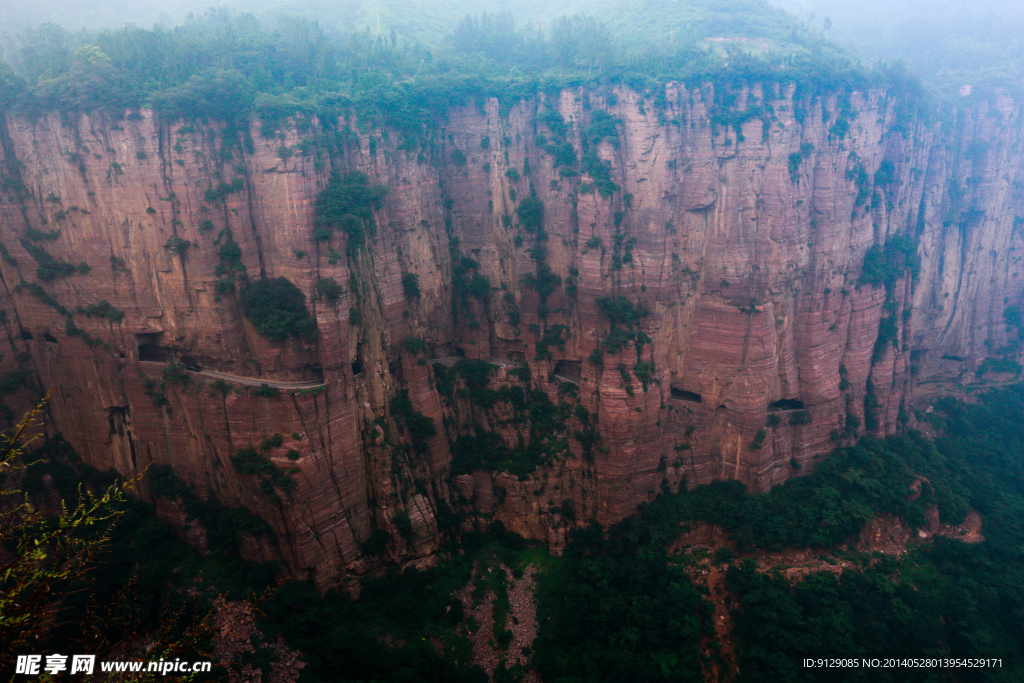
(750,345)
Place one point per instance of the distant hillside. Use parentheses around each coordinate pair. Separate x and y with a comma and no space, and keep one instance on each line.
(670,20)
(429,21)
(948,43)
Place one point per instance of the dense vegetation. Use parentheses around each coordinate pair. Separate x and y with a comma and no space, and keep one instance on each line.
(430,22)
(823,509)
(347,204)
(616,610)
(617,606)
(943,598)
(883,265)
(227,67)
(541,426)
(145,583)
(420,427)
(277,309)
(141,582)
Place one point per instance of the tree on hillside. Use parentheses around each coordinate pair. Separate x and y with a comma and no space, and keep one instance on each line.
(12,86)
(41,554)
(581,41)
(51,563)
(91,83)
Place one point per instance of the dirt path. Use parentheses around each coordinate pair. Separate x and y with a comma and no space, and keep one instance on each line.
(885,533)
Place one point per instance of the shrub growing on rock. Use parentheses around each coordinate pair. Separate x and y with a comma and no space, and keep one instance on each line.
(277,309)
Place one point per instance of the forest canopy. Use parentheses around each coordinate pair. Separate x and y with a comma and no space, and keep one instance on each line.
(227,66)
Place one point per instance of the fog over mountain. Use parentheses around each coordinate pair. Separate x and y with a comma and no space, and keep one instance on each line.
(426,21)
(949,42)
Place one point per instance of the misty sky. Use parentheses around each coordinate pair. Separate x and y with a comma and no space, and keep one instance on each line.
(947,42)
(15,14)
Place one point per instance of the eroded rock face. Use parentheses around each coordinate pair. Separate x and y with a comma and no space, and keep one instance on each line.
(744,244)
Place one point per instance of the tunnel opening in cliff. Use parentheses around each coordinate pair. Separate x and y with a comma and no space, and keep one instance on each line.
(684,395)
(508,349)
(785,405)
(315,372)
(150,349)
(448,350)
(569,370)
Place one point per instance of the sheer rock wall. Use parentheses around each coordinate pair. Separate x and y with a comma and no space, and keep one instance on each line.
(745,243)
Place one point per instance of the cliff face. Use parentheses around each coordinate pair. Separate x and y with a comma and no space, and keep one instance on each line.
(971,247)
(749,346)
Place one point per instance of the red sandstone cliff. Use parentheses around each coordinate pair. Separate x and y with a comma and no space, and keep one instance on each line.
(744,243)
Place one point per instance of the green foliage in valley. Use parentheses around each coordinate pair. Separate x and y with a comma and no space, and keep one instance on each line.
(825,508)
(141,582)
(406,625)
(944,598)
(615,609)
(116,576)
(616,606)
